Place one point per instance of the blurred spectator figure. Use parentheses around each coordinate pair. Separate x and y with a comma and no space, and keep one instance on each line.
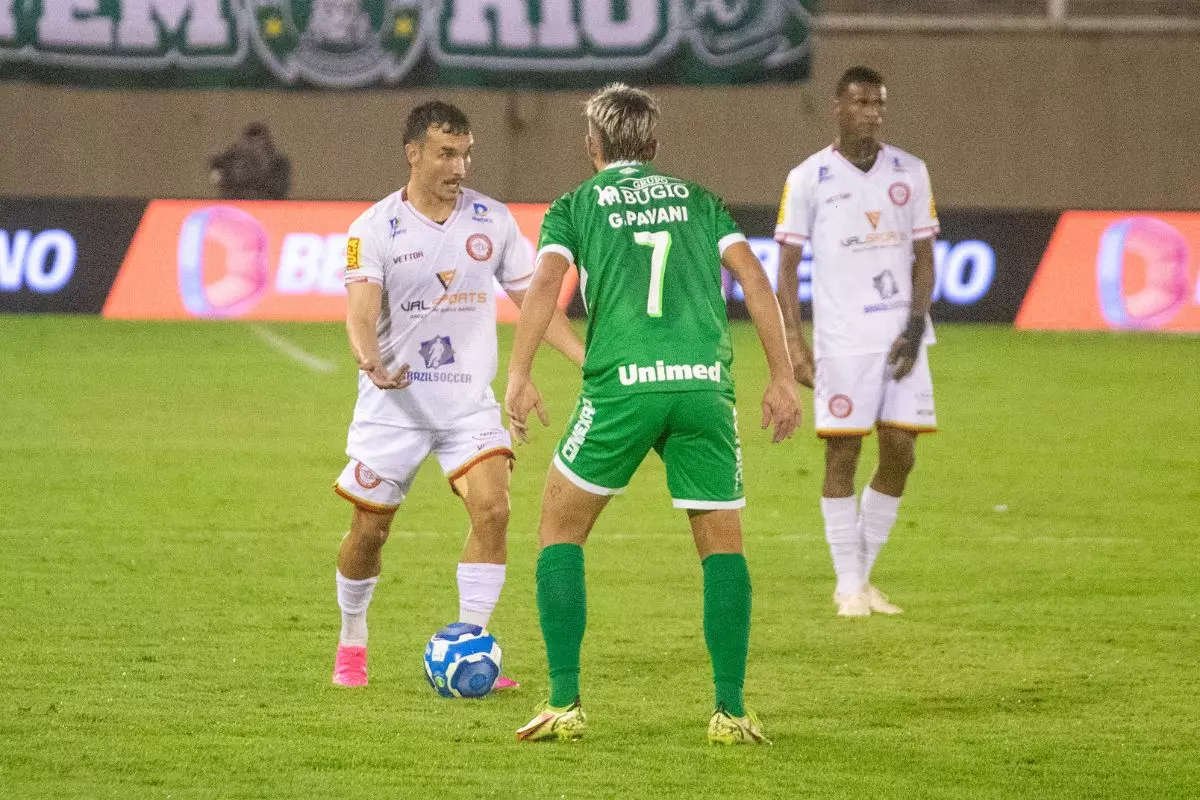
(252,169)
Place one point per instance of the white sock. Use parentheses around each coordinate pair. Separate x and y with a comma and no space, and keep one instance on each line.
(353,599)
(479,588)
(845,545)
(878,516)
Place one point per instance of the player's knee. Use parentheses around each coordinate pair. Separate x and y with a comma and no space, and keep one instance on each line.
(841,455)
(371,529)
(899,458)
(491,514)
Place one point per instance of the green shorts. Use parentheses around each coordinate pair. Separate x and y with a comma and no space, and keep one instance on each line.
(695,434)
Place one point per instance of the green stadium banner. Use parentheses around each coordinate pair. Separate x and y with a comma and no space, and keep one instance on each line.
(342,44)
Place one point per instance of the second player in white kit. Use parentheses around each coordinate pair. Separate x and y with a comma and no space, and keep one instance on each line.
(421,272)
(867,210)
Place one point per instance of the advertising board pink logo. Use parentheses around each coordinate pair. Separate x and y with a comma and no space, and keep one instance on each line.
(222,262)
(1161,253)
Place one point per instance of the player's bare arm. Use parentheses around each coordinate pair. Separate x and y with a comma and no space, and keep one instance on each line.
(364,301)
(781,403)
(559,334)
(908,345)
(537,311)
(789,306)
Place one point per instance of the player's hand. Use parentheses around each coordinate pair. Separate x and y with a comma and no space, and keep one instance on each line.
(781,405)
(803,369)
(903,357)
(520,398)
(379,375)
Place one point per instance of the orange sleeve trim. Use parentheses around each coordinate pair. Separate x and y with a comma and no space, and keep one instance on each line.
(365,505)
(484,456)
(828,433)
(906,427)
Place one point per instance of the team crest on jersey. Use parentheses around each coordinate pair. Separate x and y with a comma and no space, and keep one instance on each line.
(437,352)
(445,278)
(365,476)
(479,246)
(824,174)
(873,218)
(841,406)
(337,43)
(900,193)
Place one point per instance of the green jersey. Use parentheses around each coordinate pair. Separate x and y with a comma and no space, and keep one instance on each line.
(648,247)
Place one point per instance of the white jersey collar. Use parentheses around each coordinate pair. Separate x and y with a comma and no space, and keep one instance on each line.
(616,164)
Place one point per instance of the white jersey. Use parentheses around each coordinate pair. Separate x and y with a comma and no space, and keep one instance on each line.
(439,304)
(862,226)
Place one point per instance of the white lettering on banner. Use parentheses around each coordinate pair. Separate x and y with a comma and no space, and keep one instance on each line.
(309,262)
(354,43)
(8,23)
(572,35)
(74,23)
(965,271)
(639,28)
(473,24)
(555,31)
(143,22)
(44,263)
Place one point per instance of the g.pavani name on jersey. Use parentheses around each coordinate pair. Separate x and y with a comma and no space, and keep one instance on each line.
(640,192)
(664,373)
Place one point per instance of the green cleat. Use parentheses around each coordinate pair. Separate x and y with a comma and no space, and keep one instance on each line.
(554,724)
(724,728)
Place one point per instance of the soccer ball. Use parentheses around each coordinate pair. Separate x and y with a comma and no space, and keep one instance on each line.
(462,660)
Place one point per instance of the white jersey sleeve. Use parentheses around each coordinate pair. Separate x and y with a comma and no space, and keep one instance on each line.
(795,222)
(925,221)
(514,268)
(364,255)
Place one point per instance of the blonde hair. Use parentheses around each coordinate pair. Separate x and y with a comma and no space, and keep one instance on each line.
(624,118)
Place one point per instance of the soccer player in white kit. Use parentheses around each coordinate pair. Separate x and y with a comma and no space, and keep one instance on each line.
(421,267)
(867,210)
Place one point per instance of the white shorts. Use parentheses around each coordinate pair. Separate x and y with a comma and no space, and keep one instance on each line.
(854,394)
(384,459)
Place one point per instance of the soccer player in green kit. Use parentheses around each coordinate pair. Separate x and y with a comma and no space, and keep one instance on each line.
(656,375)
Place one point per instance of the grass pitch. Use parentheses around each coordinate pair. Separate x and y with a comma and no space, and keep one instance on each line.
(167,615)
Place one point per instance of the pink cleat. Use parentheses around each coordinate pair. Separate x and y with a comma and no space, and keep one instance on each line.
(350,666)
(504,684)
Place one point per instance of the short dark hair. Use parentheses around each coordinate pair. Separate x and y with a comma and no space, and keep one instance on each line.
(256,129)
(435,114)
(861,75)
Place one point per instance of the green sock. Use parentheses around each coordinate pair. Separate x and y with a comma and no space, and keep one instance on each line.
(562,608)
(727,625)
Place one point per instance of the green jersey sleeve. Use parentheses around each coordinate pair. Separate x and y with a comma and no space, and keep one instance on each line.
(558,229)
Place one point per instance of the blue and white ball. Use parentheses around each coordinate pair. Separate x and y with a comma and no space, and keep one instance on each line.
(462,660)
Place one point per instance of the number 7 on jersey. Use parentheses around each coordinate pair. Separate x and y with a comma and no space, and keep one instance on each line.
(661,242)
